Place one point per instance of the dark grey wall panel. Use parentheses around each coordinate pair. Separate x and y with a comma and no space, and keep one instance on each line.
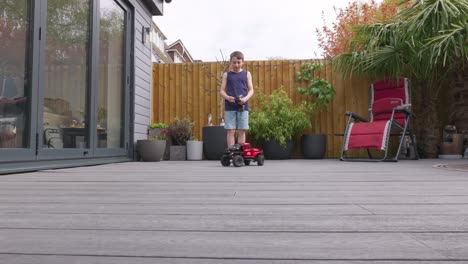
(139,119)
(142,82)
(143,102)
(143,71)
(142,60)
(144,94)
(141,130)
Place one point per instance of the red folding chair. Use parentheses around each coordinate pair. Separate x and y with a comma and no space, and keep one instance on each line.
(389,115)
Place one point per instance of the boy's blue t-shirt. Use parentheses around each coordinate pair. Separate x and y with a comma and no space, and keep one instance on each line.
(236,86)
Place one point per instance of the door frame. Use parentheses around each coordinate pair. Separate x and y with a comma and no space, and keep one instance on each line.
(28,152)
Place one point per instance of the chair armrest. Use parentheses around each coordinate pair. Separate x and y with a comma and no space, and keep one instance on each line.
(353,115)
(405,109)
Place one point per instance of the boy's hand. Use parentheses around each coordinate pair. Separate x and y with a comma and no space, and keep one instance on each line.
(242,100)
(231,99)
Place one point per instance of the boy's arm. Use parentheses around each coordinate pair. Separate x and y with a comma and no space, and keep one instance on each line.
(250,89)
(222,91)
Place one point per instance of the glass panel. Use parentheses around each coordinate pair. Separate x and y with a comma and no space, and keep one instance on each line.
(66,79)
(14,90)
(110,117)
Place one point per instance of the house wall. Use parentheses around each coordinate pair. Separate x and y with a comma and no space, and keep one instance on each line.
(187,58)
(142,70)
(179,48)
(183,55)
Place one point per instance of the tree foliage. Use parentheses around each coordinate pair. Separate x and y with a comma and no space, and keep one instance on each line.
(424,41)
(336,39)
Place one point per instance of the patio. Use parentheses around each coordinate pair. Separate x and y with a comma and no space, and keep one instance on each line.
(294,211)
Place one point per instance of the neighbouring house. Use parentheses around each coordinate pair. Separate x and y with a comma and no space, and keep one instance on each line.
(75,81)
(163,53)
(178,52)
(158,45)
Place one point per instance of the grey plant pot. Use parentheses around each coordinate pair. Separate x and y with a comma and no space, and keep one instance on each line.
(314,146)
(154,132)
(194,150)
(275,151)
(167,154)
(178,152)
(151,150)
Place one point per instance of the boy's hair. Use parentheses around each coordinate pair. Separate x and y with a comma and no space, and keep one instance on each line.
(238,55)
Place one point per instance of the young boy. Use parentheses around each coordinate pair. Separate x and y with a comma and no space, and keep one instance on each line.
(236,89)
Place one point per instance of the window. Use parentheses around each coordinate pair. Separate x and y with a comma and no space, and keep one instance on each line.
(14,93)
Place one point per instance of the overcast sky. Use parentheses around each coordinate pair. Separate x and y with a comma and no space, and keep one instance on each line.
(259,28)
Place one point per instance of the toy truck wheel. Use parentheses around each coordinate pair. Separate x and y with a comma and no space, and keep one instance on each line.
(247,162)
(225,161)
(237,161)
(260,160)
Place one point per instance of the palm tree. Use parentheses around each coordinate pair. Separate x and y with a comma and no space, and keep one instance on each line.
(426,42)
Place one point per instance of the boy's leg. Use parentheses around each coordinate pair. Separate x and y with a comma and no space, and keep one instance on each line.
(230,126)
(230,137)
(240,136)
(242,125)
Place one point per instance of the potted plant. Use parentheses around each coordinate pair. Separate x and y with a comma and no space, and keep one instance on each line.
(194,149)
(321,92)
(155,130)
(180,131)
(275,122)
(152,149)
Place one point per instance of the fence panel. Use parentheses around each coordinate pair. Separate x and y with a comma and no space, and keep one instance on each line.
(191,90)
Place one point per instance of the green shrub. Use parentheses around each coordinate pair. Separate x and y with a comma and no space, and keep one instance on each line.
(318,88)
(157,125)
(277,118)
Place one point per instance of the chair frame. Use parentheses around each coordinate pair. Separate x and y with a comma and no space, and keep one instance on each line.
(405,130)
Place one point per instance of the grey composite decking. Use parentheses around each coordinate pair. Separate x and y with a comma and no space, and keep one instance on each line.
(290,212)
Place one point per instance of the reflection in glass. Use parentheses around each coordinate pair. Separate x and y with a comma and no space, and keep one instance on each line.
(14,90)
(66,74)
(110,116)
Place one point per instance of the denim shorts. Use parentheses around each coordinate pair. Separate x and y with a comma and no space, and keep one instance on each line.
(236,120)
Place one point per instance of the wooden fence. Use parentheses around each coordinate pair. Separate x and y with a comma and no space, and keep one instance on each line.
(191,90)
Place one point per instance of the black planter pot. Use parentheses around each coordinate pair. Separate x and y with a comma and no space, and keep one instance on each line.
(314,146)
(273,150)
(214,142)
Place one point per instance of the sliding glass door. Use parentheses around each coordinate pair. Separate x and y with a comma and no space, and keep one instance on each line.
(16,133)
(84,90)
(113,72)
(65,79)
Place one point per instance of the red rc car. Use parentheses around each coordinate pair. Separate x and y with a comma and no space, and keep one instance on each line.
(241,154)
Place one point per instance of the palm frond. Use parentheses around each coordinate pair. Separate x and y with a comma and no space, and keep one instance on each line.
(449,44)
